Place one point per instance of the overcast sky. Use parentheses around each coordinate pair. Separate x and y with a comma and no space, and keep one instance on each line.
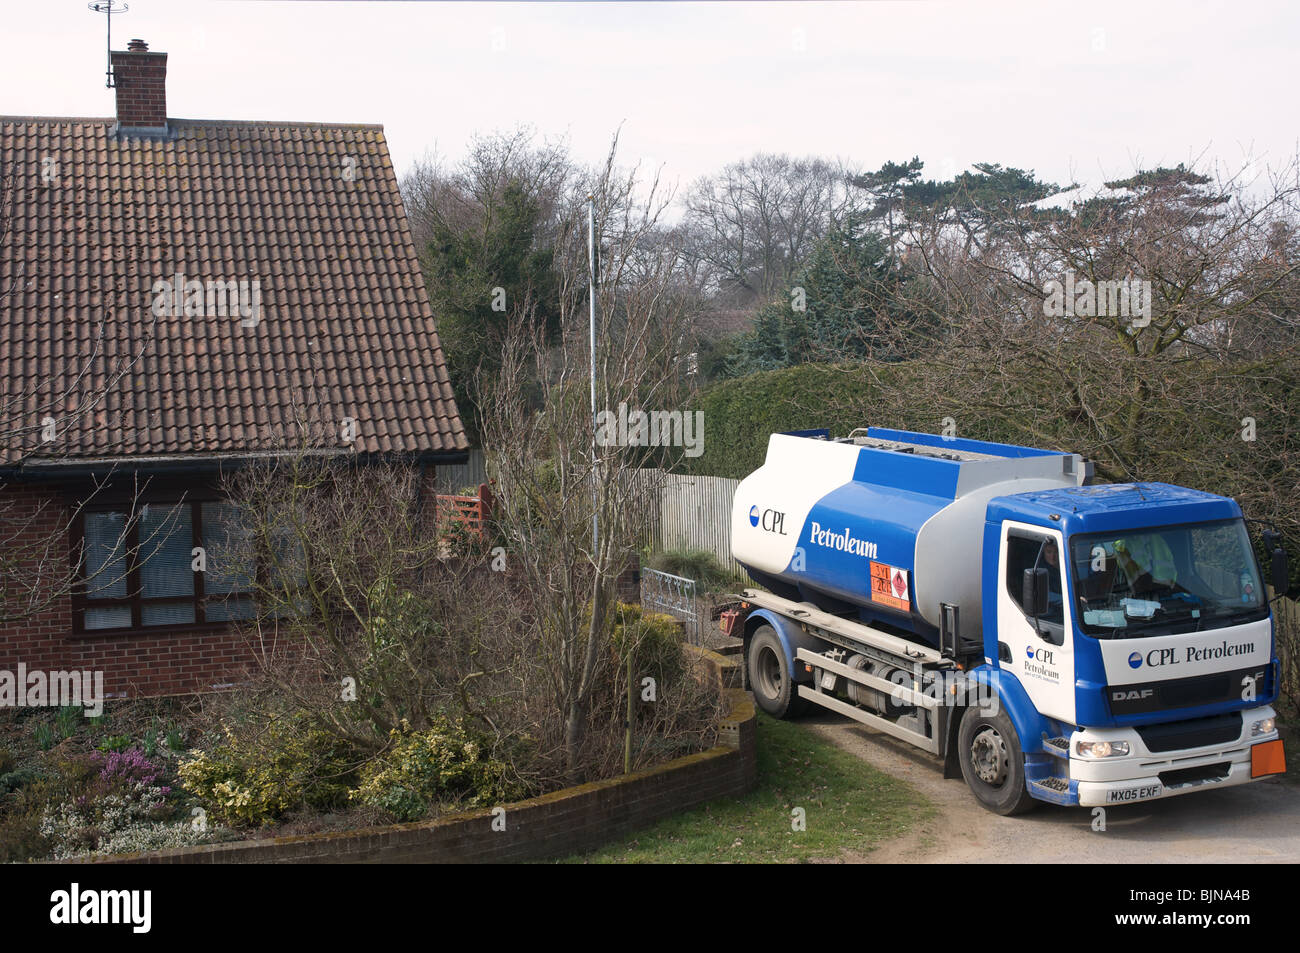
(1081,91)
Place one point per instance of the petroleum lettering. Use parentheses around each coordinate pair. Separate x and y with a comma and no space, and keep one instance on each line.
(1222,651)
(843,542)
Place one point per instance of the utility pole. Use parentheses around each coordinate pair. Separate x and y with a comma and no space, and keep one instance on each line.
(591,268)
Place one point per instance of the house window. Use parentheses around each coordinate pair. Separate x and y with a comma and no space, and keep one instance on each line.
(142,568)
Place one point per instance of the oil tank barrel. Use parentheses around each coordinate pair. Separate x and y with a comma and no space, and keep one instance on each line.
(887,521)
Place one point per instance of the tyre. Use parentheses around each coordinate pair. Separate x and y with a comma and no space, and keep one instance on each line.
(769,676)
(992,762)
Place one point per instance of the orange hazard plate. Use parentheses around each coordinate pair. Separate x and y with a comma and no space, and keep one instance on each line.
(1267,758)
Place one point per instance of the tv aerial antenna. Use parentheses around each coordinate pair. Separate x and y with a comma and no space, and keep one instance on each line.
(108,8)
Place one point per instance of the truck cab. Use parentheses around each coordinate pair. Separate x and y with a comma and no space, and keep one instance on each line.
(1132,638)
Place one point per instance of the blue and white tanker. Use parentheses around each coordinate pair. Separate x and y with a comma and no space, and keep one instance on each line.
(1051,640)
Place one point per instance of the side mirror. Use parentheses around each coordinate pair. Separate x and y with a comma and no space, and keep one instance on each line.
(1279,569)
(1033,593)
(1281,572)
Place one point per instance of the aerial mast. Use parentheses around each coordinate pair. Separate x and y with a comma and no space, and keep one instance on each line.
(108,8)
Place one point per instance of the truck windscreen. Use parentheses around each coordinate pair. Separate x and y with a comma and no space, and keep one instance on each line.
(1165,580)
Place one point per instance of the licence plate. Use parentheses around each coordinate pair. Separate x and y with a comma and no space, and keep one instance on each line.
(1133,794)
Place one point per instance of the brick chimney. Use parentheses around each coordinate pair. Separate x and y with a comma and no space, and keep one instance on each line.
(140,78)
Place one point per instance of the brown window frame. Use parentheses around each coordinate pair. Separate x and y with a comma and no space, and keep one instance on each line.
(134,598)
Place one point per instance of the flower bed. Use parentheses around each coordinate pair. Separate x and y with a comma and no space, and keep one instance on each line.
(179,773)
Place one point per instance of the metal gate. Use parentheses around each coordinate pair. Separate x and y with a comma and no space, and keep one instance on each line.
(674,596)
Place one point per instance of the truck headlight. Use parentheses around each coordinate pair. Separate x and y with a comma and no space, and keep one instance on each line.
(1265,726)
(1101,749)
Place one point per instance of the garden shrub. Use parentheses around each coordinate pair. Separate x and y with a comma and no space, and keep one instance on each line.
(254,779)
(654,639)
(84,825)
(698,564)
(444,763)
(23,795)
(21,838)
(92,798)
(132,838)
(13,780)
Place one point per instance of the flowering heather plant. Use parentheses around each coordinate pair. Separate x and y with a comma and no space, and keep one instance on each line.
(119,805)
(117,823)
(130,768)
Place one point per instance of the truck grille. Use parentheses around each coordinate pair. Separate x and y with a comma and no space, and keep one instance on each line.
(1185,692)
(1197,733)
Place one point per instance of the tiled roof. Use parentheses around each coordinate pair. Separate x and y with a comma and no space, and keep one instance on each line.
(308,216)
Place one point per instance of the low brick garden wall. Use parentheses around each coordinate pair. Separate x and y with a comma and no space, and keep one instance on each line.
(552,825)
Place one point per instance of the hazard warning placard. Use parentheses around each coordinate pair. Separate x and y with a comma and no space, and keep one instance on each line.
(889,586)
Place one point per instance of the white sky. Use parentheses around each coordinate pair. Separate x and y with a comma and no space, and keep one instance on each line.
(1071,90)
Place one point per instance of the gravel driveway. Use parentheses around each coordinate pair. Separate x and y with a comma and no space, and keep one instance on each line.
(1253,823)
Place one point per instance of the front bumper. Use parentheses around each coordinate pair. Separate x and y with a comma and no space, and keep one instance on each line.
(1145,775)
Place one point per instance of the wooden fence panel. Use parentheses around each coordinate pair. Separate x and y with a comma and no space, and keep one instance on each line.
(695,513)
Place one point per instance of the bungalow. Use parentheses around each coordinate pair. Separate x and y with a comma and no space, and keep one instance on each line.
(175,295)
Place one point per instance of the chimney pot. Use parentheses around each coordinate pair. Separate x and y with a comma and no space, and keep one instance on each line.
(138,46)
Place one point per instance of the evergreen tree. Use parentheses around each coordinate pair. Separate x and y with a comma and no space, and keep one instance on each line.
(477,277)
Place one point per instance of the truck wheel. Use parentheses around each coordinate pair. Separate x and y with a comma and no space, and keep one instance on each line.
(992,762)
(769,676)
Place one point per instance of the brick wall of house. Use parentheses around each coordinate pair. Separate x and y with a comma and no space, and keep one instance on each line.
(161,662)
(40,641)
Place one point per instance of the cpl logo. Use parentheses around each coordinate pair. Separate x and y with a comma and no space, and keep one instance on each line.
(772,520)
(1135,660)
(1029,651)
(1043,655)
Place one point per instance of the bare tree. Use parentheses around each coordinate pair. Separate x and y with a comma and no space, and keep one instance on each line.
(466,196)
(1177,286)
(753,224)
(572,502)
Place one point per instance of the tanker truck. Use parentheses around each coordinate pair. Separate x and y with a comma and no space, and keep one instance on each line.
(1050,639)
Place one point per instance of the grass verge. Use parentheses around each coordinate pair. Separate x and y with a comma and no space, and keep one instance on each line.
(847,804)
